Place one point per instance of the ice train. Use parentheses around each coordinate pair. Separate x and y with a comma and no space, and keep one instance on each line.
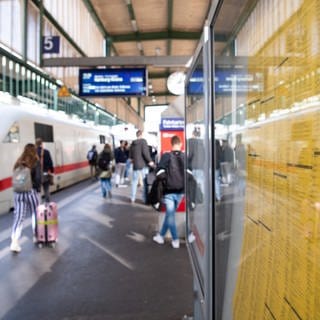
(67,139)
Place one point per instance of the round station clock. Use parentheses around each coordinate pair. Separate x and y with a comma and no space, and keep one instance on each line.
(175,82)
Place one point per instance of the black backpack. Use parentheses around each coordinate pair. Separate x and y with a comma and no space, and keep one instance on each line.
(175,172)
(104,162)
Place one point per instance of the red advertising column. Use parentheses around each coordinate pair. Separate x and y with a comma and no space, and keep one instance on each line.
(170,127)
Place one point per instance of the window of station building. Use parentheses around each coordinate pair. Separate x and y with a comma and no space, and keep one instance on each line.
(43,131)
(11,17)
(32,33)
(102,139)
(13,135)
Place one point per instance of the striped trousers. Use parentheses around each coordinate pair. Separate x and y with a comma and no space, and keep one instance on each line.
(24,203)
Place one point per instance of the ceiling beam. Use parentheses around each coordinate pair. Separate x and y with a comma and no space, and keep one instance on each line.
(134,24)
(158,61)
(221,37)
(179,35)
(158,75)
(169,23)
(160,94)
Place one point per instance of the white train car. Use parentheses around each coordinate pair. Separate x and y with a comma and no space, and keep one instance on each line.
(67,139)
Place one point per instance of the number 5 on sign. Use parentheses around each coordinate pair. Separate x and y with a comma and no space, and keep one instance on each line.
(50,44)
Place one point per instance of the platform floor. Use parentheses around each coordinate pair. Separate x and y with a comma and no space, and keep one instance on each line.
(104,267)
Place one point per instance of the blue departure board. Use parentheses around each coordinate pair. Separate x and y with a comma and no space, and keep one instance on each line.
(113,82)
(226,80)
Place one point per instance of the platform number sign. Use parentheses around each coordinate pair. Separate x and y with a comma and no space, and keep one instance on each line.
(50,44)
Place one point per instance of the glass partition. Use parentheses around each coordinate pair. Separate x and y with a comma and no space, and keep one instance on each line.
(198,177)
(266,114)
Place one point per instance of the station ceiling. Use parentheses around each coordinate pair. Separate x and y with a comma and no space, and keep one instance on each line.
(153,28)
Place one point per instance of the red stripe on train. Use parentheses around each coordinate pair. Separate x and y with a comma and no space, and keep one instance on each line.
(7,182)
(70,167)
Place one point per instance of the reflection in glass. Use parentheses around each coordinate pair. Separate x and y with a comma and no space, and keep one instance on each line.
(196,152)
(13,135)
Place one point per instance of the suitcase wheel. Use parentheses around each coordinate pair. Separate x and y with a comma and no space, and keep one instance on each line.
(52,244)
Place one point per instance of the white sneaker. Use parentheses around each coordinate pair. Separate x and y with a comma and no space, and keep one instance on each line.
(158,239)
(14,247)
(175,244)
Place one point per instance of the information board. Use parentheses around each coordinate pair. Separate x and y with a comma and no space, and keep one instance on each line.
(227,80)
(113,82)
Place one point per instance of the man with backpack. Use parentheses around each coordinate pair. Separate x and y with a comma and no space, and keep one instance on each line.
(92,157)
(173,164)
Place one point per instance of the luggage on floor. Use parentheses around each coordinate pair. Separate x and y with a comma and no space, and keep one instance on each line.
(47,224)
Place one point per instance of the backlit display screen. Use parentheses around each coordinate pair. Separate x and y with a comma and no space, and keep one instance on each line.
(113,82)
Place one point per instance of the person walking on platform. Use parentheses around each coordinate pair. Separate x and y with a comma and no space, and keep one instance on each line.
(92,157)
(196,152)
(121,157)
(127,172)
(227,164)
(26,197)
(240,158)
(104,165)
(173,164)
(46,166)
(140,157)
(218,160)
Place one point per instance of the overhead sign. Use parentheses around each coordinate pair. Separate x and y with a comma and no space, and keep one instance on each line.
(195,84)
(227,81)
(175,124)
(50,44)
(113,82)
(240,81)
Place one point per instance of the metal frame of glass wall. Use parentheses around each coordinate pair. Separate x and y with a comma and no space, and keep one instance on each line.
(198,111)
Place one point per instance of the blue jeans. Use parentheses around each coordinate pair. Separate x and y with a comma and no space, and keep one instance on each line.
(135,180)
(105,184)
(172,201)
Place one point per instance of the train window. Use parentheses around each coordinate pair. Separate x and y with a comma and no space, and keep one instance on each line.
(102,139)
(43,131)
(13,135)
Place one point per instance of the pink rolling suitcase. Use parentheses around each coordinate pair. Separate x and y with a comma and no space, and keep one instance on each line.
(47,224)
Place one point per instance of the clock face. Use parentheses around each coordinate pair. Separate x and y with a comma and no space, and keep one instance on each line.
(175,83)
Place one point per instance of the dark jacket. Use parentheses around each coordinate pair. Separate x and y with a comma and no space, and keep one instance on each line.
(227,155)
(47,161)
(93,160)
(107,157)
(139,154)
(194,193)
(196,153)
(157,190)
(120,155)
(36,176)
(218,154)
